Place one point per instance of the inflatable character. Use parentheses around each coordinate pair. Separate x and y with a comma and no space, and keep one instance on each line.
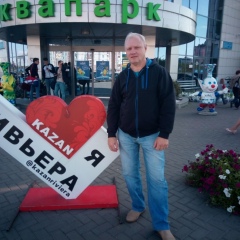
(8,83)
(1,89)
(208,94)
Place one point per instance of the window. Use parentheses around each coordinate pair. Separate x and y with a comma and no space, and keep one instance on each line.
(2,45)
(182,49)
(17,57)
(200,47)
(193,5)
(185,3)
(202,24)
(185,65)
(160,54)
(190,47)
(203,7)
(205,48)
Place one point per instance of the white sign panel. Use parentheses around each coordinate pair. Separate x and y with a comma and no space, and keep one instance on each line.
(67,176)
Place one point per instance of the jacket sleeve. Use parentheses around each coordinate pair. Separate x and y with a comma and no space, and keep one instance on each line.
(43,72)
(27,70)
(113,112)
(167,103)
(34,70)
(53,69)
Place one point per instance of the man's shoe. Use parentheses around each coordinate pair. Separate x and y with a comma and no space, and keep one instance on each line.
(166,235)
(133,216)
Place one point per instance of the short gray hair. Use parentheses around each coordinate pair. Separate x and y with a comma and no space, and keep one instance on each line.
(140,36)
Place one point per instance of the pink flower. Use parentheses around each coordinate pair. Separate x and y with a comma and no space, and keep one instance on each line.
(216,172)
(236,167)
(200,167)
(185,168)
(211,170)
(210,180)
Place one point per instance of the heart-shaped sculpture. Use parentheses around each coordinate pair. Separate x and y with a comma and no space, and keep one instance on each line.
(66,127)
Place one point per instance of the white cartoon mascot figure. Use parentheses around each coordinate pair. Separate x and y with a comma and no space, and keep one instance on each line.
(208,94)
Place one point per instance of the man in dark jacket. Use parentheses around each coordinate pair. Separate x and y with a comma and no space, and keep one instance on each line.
(141,112)
(32,71)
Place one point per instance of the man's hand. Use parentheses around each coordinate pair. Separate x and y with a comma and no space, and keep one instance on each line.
(113,144)
(161,143)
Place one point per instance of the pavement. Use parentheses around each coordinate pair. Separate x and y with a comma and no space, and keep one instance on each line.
(191,217)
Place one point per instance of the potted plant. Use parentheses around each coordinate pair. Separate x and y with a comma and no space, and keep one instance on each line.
(178,90)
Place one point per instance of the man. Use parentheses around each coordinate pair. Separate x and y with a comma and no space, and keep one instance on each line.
(60,84)
(48,72)
(142,109)
(32,71)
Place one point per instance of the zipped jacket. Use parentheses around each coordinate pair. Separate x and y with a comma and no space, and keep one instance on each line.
(50,73)
(33,68)
(142,105)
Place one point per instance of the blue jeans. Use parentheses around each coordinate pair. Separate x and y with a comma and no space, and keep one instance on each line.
(60,86)
(157,186)
(48,84)
(37,89)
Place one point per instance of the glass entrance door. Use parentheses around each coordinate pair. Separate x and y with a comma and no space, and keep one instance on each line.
(94,72)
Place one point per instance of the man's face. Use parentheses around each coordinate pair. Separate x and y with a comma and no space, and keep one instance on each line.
(135,50)
(45,62)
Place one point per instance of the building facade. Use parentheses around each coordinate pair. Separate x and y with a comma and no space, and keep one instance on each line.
(182,34)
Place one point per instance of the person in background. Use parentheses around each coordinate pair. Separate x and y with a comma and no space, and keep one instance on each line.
(141,113)
(83,82)
(221,86)
(75,81)
(234,128)
(32,71)
(60,84)
(48,72)
(235,86)
(68,79)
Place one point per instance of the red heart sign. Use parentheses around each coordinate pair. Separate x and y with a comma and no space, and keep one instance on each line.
(66,127)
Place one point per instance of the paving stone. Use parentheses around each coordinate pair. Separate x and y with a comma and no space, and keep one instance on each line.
(191,217)
(183,232)
(74,235)
(42,234)
(200,233)
(58,235)
(89,236)
(26,234)
(232,235)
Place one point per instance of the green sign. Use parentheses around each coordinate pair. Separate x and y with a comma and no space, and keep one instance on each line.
(130,9)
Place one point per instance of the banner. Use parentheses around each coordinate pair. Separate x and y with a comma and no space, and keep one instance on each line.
(102,72)
(38,144)
(83,70)
(125,61)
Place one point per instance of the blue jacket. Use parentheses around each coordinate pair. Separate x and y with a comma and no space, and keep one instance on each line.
(144,104)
